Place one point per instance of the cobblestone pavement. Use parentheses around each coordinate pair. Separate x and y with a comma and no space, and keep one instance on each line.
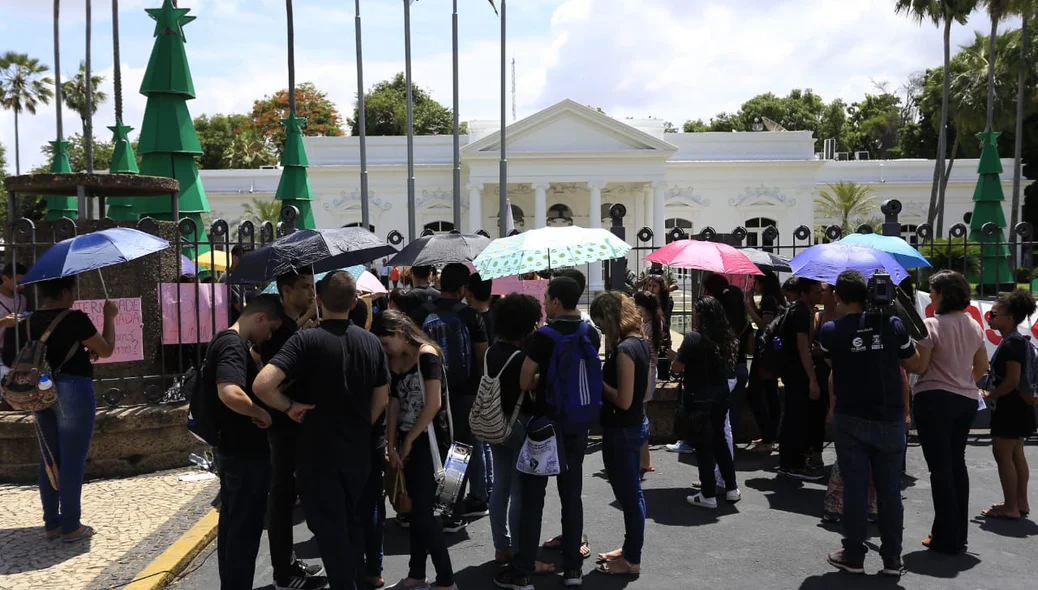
(125,513)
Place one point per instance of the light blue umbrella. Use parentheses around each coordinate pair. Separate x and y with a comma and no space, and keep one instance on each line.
(355,271)
(546,248)
(902,251)
(825,262)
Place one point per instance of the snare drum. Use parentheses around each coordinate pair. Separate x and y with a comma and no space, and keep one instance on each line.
(451,478)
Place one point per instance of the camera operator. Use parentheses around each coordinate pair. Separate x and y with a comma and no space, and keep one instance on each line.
(866,351)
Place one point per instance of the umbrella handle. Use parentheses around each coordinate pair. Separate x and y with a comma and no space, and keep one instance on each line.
(103,287)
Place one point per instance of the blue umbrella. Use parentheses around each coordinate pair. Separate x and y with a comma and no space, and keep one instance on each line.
(93,251)
(825,262)
(356,271)
(902,251)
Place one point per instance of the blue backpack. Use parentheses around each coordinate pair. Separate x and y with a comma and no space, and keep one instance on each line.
(574,386)
(448,330)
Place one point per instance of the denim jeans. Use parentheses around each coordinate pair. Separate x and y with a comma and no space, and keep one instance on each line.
(531,498)
(476,473)
(864,445)
(621,454)
(244,483)
(504,497)
(763,397)
(742,378)
(712,451)
(333,503)
(281,504)
(943,420)
(67,427)
(425,532)
(373,509)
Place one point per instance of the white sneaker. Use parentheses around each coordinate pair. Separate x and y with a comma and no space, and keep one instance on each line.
(733,496)
(702,502)
(680,447)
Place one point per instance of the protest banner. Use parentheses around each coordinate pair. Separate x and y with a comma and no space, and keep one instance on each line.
(177,300)
(129,327)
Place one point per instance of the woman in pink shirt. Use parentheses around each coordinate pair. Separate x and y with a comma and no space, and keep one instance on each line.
(952,360)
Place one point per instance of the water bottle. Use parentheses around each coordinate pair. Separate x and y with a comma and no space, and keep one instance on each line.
(45,383)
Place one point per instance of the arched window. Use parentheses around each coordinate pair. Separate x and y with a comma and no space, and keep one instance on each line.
(559,215)
(518,217)
(678,222)
(439,227)
(755,232)
(359,224)
(909,233)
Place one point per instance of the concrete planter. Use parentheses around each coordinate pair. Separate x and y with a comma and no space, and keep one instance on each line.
(127,441)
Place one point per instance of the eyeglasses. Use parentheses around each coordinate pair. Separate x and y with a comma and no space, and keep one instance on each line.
(993,314)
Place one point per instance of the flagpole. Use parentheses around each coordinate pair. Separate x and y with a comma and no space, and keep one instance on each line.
(365,215)
(457,127)
(502,202)
(410,123)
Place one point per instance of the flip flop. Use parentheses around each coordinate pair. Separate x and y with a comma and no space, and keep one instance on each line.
(997,514)
(53,534)
(556,543)
(85,532)
(610,556)
(611,568)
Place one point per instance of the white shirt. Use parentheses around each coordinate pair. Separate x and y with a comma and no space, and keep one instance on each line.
(9,305)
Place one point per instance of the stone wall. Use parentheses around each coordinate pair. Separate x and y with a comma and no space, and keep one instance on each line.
(127,441)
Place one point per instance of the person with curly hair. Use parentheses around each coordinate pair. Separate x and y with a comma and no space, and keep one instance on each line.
(624,426)
(1013,419)
(707,358)
(659,341)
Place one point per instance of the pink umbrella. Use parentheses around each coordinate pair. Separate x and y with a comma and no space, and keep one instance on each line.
(709,256)
(368,283)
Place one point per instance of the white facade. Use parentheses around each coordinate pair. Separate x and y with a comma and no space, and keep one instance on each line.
(570,163)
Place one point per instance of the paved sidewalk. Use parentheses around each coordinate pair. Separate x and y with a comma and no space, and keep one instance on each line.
(136,519)
(773,539)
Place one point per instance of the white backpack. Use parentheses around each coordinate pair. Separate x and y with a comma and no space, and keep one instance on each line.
(487,418)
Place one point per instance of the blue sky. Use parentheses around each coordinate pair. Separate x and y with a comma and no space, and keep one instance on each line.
(671,59)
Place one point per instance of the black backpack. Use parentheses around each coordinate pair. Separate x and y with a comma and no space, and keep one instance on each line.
(203,417)
(772,353)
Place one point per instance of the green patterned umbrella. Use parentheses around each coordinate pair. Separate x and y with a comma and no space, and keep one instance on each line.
(545,248)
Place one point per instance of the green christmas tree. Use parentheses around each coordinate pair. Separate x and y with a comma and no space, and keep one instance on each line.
(58,207)
(123,162)
(987,207)
(294,187)
(168,141)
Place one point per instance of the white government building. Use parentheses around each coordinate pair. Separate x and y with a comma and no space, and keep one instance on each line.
(569,163)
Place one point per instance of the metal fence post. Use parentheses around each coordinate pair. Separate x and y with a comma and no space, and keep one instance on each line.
(618,267)
(891,208)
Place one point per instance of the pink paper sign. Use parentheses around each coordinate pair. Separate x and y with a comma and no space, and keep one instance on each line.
(196,320)
(535,289)
(129,325)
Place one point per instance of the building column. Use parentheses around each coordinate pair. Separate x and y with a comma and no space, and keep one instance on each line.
(475,207)
(658,213)
(595,221)
(646,204)
(540,205)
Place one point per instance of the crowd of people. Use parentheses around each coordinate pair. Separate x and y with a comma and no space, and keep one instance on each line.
(320,398)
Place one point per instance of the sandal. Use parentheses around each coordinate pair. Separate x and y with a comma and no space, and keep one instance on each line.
(997,514)
(85,532)
(619,567)
(53,534)
(556,543)
(611,555)
(541,568)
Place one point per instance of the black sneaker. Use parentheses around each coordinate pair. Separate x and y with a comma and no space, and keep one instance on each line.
(572,578)
(801,474)
(299,579)
(403,520)
(509,578)
(840,560)
(472,508)
(892,566)
(310,569)
(452,524)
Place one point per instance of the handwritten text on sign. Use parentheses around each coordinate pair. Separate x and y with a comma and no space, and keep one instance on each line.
(129,341)
(177,300)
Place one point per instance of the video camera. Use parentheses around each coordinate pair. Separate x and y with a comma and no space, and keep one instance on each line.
(886,298)
(882,291)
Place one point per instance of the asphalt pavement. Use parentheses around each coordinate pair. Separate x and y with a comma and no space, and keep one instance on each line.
(773,538)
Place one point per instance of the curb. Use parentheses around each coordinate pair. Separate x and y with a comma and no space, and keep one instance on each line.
(167,566)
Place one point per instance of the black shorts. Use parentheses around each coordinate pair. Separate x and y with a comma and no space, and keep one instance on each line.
(1012,417)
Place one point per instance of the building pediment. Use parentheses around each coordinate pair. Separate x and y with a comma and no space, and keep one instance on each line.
(762,196)
(570,127)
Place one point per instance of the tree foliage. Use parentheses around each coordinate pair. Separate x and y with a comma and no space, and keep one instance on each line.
(260,210)
(848,204)
(74,94)
(230,141)
(23,85)
(322,117)
(77,154)
(385,109)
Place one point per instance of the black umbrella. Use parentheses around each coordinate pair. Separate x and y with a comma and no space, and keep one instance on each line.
(441,249)
(766,260)
(322,250)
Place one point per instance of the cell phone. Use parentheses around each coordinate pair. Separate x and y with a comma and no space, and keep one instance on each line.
(24,314)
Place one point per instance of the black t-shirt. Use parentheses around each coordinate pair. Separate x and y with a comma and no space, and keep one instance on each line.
(744,338)
(497,355)
(409,389)
(1011,349)
(488,323)
(539,349)
(229,362)
(704,376)
(335,367)
(866,354)
(73,330)
(278,338)
(477,334)
(418,297)
(798,322)
(637,349)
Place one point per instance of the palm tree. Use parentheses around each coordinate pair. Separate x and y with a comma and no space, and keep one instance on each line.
(997,11)
(1028,10)
(261,210)
(939,12)
(22,87)
(848,202)
(74,92)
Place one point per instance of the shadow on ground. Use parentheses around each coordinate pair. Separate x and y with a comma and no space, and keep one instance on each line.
(45,553)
